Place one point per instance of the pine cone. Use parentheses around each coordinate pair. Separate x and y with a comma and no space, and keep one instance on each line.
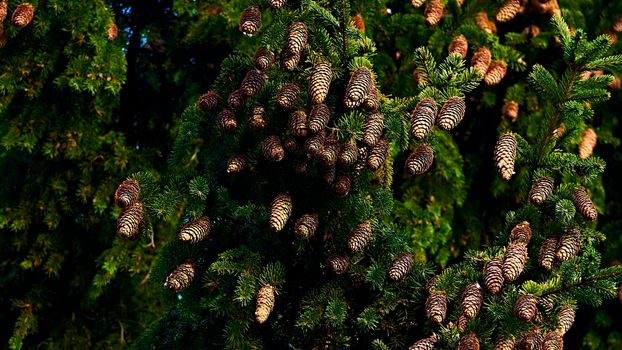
(482,21)
(584,204)
(565,317)
(257,119)
(378,155)
(314,144)
(436,307)
(504,343)
(459,45)
(349,153)
(329,152)
(462,322)
(250,20)
(4,7)
(181,277)
(287,97)
(227,121)
(272,149)
(401,267)
(208,101)
(510,110)
(514,262)
(481,60)
(236,99)
(342,185)
(553,341)
(280,210)
(504,155)
(532,340)
(451,113)
(617,25)
(569,245)
(297,124)
(338,264)
(372,101)
(360,236)
(112,31)
(434,12)
(495,73)
(22,15)
(420,160)
(306,225)
(263,59)
(372,130)
(588,142)
(319,117)
(493,275)
(236,163)
(277,4)
(508,11)
(546,256)
(468,342)
(521,233)
(358,85)
(252,82)
(425,343)
(541,189)
(127,193)
(422,118)
(319,82)
(195,230)
(265,303)
(294,45)
(526,307)
(358,22)
(128,223)
(472,299)
(417,3)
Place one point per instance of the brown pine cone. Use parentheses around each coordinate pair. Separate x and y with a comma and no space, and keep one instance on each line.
(565,317)
(420,160)
(306,225)
(252,82)
(208,101)
(227,121)
(584,203)
(112,31)
(236,163)
(181,277)
(342,185)
(360,236)
(23,15)
(553,341)
(265,303)
(425,343)
(434,12)
(510,110)
(436,307)
(272,149)
(532,340)
(546,255)
(401,266)
(481,60)
(349,153)
(297,124)
(287,97)
(129,221)
(514,261)
(257,118)
(319,82)
(280,211)
(503,343)
(526,307)
(263,59)
(422,118)
(508,11)
(372,130)
(357,88)
(495,73)
(505,155)
(127,192)
(541,189)
(236,99)
(451,113)
(569,245)
(378,154)
(468,342)
(338,264)
(372,100)
(319,117)
(482,21)
(315,143)
(195,230)
(250,20)
(521,233)
(472,299)
(459,45)
(588,142)
(493,275)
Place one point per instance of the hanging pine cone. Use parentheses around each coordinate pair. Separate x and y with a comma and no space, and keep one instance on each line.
(482,21)
(378,155)
(342,185)
(208,101)
(357,88)
(521,233)
(372,130)
(329,152)
(4,7)
(472,299)
(181,277)
(462,322)
(319,117)
(505,155)
(493,275)
(420,160)
(503,343)
(257,118)
(459,46)
(360,236)
(252,82)
(565,317)
(425,343)
(451,113)
(297,124)
(277,4)
(227,121)
(314,144)
(236,99)
(319,82)
(617,25)
(436,307)
(495,73)
(510,110)
(128,223)
(434,12)
(401,267)
(265,303)
(250,20)
(532,340)
(417,3)
(127,193)
(569,245)
(22,15)
(294,45)
(508,11)
(112,31)
(526,307)
(372,100)
(236,163)
(263,59)
(358,22)
(195,230)
(349,153)
(588,142)
(514,261)
(306,225)
(468,342)
(280,210)
(584,204)
(546,255)
(553,341)
(287,97)
(541,189)
(481,60)
(272,149)
(422,118)
(338,264)
(290,60)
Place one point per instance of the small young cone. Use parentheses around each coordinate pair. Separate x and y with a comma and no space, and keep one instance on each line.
(360,236)
(532,340)
(565,317)
(417,3)
(569,245)
(472,299)
(434,12)
(358,22)
(319,82)
(277,4)
(468,342)
(553,341)
(227,121)
(195,230)
(236,99)
(22,15)
(510,110)
(424,344)
(112,31)
(329,152)
(372,100)
(127,193)
(349,153)
(584,203)
(503,343)
(306,225)
(451,113)
(250,20)
(505,155)
(422,118)
(338,264)
(265,303)
(378,155)
(495,73)
(420,160)
(252,82)
(342,185)
(514,261)
(541,189)
(526,307)
(493,275)
(280,211)
(128,223)
(508,11)
(436,307)
(319,117)
(263,59)
(521,232)
(297,124)
(546,255)
(315,143)
(459,45)
(588,142)
(181,277)
(287,97)
(372,130)
(272,149)
(297,36)
(481,60)
(401,267)
(257,118)
(482,21)
(208,101)
(236,163)
(357,88)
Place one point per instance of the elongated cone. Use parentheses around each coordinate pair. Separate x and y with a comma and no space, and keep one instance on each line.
(4,6)
(462,322)
(553,341)
(195,230)
(451,113)
(342,185)
(481,60)
(319,82)
(417,3)
(584,203)
(112,31)
(493,275)
(319,117)
(372,100)
(287,97)
(349,153)
(372,130)
(482,21)
(329,152)
(227,121)
(565,317)
(296,38)
(236,99)
(420,160)
(338,264)
(360,236)
(588,142)
(257,118)
(252,82)
(22,15)
(472,299)
(250,20)
(263,59)
(272,148)
(181,277)
(401,266)
(459,45)
(422,118)
(569,245)
(236,163)
(128,223)
(468,342)
(521,232)
(297,124)
(434,12)
(314,144)
(510,110)
(495,72)
(208,101)
(425,343)
(532,340)
(277,4)
(541,189)
(503,343)
(508,11)
(378,155)
(265,303)
(526,307)
(127,193)
(280,211)
(436,307)
(546,255)
(514,261)
(505,155)
(306,225)
(357,88)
